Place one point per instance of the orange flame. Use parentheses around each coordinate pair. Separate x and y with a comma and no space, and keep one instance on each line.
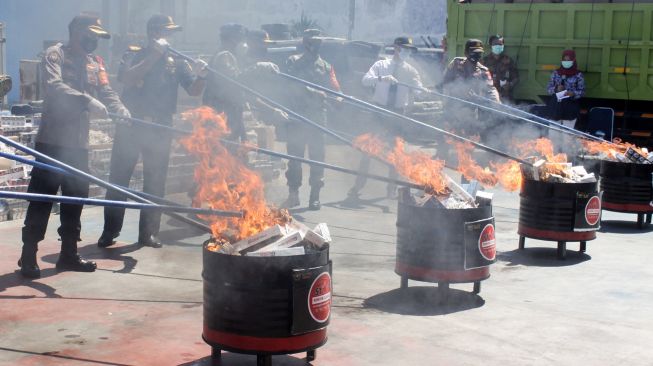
(224,182)
(508,174)
(470,169)
(417,166)
(610,150)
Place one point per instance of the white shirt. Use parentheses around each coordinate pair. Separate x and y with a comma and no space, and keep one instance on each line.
(402,71)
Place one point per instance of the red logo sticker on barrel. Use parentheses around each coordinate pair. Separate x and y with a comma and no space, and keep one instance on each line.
(319,298)
(487,244)
(593,210)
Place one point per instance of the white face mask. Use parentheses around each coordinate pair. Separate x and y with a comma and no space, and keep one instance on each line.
(404,54)
(241,49)
(567,64)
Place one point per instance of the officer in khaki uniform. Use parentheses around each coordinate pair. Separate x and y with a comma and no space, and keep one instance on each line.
(151,76)
(466,78)
(310,103)
(76,90)
(502,67)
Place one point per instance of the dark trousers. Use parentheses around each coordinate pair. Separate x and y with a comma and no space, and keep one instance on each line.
(45,182)
(299,138)
(567,109)
(390,128)
(129,144)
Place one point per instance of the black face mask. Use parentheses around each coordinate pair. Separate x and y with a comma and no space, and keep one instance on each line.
(474,57)
(89,44)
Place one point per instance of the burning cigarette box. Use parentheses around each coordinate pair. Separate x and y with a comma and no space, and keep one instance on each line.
(287,241)
(260,239)
(284,252)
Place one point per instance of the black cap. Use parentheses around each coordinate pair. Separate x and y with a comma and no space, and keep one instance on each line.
(312,34)
(473,45)
(233,31)
(159,22)
(405,42)
(258,35)
(494,38)
(90,23)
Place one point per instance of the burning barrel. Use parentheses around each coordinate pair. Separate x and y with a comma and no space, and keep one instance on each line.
(562,212)
(443,245)
(628,187)
(266,305)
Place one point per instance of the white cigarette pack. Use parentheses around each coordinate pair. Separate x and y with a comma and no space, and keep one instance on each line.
(278,252)
(269,234)
(323,230)
(287,241)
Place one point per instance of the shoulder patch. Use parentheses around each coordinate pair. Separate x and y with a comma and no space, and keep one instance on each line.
(53,57)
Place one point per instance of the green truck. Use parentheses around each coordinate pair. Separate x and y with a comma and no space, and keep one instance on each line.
(613,44)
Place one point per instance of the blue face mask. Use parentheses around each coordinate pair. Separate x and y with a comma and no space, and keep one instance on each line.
(497,49)
(567,64)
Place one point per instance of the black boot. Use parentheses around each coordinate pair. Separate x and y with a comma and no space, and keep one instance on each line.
(27,262)
(149,241)
(70,260)
(314,200)
(106,239)
(292,200)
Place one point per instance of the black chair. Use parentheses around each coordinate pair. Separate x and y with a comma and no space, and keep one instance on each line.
(600,122)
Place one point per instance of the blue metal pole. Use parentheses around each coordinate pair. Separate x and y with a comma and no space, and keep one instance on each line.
(118,204)
(83,175)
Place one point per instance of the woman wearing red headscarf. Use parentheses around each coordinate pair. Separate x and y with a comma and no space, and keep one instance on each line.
(566,87)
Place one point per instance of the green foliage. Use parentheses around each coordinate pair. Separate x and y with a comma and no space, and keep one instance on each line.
(304,23)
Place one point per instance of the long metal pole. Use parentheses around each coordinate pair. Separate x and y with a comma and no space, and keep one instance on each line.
(401,116)
(543,121)
(119,204)
(83,175)
(56,170)
(278,154)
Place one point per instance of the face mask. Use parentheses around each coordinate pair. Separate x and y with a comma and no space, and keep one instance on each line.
(241,49)
(404,54)
(497,49)
(474,57)
(567,64)
(89,43)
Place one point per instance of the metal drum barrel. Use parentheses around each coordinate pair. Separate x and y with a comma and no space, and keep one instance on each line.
(266,305)
(559,212)
(431,244)
(628,188)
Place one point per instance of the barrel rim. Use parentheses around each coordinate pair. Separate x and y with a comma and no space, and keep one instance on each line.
(268,345)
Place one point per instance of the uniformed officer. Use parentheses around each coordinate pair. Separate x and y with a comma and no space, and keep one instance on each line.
(466,78)
(220,95)
(309,103)
(151,76)
(385,76)
(502,67)
(235,61)
(76,90)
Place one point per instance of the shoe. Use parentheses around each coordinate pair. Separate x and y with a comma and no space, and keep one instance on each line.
(391,194)
(30,270)
(314,200)
(353,193)
(106,239)
(75,263)
(150,241)
(292,200)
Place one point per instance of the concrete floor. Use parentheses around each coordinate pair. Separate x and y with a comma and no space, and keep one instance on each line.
(144,306)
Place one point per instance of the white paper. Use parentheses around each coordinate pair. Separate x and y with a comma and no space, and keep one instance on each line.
(562,95)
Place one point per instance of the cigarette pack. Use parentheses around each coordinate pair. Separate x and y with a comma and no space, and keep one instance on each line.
(287,241)
(258,240)
(284,252)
